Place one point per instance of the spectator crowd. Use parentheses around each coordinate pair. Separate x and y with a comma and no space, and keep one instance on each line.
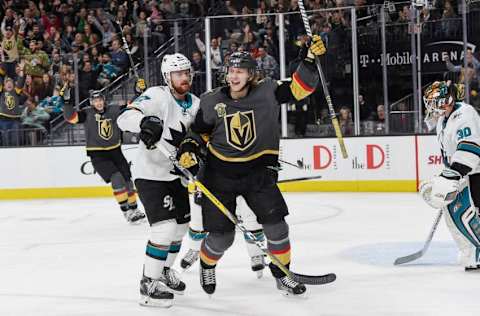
(41,39)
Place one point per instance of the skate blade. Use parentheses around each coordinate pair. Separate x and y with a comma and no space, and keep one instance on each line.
(138,222)
(150,302)
(302,296)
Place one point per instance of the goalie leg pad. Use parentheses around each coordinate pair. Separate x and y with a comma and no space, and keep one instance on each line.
(464,225)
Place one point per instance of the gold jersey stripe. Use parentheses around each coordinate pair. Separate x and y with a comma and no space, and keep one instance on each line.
(10,116)
(242,159)
(104,148)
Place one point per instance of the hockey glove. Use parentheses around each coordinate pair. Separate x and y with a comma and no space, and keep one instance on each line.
(151,128)
(441,190)
(140,86)
(317,48)
(188,155)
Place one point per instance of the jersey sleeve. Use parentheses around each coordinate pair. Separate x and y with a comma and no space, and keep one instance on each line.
(467,154)
(71,115)
(301,84)
(147,104)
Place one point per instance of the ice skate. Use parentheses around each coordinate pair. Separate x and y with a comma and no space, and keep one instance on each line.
(173,281)
(207,278)
(289,287)
(134,216)
(153,293)
(190,257)
(258,264)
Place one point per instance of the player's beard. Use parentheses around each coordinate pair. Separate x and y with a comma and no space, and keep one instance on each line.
(183,88)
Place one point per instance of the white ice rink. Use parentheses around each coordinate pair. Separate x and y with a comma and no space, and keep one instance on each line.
(79,257)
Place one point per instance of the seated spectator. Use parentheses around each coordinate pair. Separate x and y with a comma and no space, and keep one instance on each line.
(12,99)
(366,110)
(379,119)
(53,105)
(345,121)
(267,65)
(34,116)
(198,63)
(119,57)
(46,88)
(107,71)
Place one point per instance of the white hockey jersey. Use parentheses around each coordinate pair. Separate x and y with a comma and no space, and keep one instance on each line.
(158,101)
(459,137)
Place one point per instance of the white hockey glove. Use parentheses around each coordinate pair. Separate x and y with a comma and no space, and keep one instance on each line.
(441,190)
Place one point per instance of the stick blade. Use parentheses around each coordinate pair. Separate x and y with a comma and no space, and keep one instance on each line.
(409,258)
(314,279)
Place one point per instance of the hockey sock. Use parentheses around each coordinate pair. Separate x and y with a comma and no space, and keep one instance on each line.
(120,190)
(213,247)
(195,238)
(279,245)
(158,248)
(132,195)
(176,244)
(252,248)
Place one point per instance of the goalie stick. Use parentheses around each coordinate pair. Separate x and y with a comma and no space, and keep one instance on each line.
(328,98)
(420,253)
(302,278)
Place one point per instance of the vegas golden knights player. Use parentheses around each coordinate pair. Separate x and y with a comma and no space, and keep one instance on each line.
(242,126)
(104,149)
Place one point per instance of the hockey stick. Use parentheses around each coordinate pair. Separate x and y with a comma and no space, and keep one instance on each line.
(299,179)
(420,253)
(306,279)
(125,44)
(333,116)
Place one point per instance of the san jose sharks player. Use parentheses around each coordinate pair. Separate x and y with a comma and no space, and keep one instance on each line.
(457,189)
(162,114)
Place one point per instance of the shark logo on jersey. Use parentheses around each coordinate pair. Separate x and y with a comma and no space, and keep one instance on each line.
(240,129)
(177,136)
(105,128)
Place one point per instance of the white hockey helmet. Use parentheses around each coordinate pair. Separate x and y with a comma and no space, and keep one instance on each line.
(175,62)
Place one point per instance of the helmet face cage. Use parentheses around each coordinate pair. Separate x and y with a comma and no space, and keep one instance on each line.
(436,96)
(172,63)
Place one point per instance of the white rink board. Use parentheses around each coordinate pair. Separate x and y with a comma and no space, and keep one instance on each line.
(370,158)
(392,158)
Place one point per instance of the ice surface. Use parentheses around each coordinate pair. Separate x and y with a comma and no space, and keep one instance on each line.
(80,257)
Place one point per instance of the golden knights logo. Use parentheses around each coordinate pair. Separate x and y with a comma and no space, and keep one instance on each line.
(9,101)
(105,127)
(240,129)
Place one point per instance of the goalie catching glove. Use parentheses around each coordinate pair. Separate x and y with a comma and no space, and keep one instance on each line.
(188,155)
(441,190)
(151,129)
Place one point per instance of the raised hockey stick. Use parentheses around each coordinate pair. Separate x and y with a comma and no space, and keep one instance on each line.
(328,98)
(420,253)
(306,279)
(125,44)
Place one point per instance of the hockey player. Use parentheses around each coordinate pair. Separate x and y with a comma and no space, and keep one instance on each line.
(457,189)
(196,233)
(241,120)
(162,114)
(104,149)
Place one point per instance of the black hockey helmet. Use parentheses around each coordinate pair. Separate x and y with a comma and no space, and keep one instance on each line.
(242,60)
(94,94)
